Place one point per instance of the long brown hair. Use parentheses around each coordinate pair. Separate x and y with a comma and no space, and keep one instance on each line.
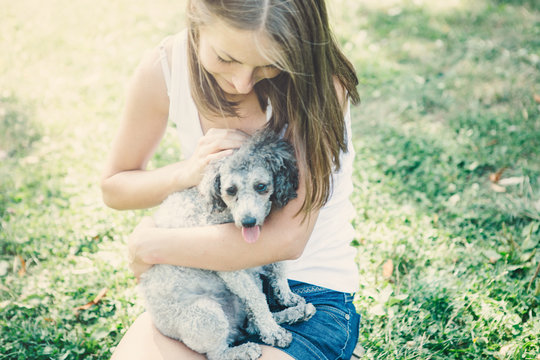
(303,96)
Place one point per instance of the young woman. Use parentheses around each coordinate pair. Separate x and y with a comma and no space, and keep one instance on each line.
(242,65)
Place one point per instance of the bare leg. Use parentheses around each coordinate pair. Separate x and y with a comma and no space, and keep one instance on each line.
(272,353)
(143,341)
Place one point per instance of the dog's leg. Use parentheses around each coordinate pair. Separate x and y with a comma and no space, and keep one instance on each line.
(296,307)
(243,286)
(204,327)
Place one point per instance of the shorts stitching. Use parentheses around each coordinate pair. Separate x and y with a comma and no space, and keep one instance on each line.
(348,336)
(308,345)
(308,289)
(333,315)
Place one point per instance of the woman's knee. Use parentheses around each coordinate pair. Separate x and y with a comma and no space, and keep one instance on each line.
(272,353)
(144,341)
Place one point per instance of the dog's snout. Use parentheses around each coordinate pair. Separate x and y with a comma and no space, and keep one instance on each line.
(249,221)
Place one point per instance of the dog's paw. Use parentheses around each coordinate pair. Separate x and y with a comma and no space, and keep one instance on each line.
(309,311)
(291,300)
(247,351)
(295,314)
(279,337)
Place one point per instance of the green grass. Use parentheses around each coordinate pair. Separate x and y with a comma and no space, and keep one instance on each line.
(448,99)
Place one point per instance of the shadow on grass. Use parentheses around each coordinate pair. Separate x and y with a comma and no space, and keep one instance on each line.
(18,132)
(448,114)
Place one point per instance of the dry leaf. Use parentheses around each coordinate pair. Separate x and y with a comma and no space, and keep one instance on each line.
(515,180)
(387,269)
(22,269)
(96,300)
(498,188)
(100,295)
(495,177)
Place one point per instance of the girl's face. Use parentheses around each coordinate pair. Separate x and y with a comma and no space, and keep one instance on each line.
(234,57)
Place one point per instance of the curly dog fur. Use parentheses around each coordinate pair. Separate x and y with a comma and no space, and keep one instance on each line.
(213,311)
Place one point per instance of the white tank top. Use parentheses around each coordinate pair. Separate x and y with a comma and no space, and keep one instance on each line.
(328,259)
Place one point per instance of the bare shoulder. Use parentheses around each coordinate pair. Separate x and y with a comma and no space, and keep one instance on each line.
(341,93)
(148,82)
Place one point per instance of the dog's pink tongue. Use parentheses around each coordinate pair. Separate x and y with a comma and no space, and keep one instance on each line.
(251,234)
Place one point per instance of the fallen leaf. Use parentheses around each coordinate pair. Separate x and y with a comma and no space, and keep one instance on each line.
(96,300)
(495,177)
(86,306)
(22,269)
(515,180)
(387,269)
(100,295)
(498,188)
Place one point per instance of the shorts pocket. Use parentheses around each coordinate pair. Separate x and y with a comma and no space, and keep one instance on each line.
(340,317)
(331,329)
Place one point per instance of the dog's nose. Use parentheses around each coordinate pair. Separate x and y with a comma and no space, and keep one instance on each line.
(249,221)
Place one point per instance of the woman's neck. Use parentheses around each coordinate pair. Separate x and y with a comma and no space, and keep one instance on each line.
(250,116)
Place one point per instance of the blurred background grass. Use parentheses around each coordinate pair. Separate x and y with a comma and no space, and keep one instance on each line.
(447,173)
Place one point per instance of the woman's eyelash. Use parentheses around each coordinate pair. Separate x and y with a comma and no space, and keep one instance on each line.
(220,59)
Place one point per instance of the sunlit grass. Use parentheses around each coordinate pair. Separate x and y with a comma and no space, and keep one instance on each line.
(446,255)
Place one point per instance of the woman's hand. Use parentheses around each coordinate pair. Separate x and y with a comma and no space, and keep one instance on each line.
(135,240)
(214,145)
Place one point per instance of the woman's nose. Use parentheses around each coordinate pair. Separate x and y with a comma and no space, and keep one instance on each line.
(243,80)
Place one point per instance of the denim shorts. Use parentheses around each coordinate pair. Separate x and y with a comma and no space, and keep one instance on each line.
(332,333)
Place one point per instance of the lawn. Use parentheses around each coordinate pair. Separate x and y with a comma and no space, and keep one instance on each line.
(447,174)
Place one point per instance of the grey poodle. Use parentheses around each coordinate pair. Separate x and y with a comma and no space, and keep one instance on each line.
(212,312)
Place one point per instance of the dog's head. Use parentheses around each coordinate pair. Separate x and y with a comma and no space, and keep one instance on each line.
(259,176)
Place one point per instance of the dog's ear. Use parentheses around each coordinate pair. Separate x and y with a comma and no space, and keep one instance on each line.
(285,172)
(215,195)
(210,187)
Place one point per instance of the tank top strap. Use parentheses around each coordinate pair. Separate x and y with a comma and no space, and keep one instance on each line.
(182,110)
(179,90)
(165,65)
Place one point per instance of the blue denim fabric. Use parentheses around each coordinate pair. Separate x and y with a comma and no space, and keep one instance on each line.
(332,333)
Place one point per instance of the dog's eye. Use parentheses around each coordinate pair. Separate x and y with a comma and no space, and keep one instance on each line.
(261,188)
(231,191)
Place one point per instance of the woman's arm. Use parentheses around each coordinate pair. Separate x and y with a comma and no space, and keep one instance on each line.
(126,184)
(221,247)
(284,236)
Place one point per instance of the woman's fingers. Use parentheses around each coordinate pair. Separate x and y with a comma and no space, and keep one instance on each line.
(136,264)
(214,145)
